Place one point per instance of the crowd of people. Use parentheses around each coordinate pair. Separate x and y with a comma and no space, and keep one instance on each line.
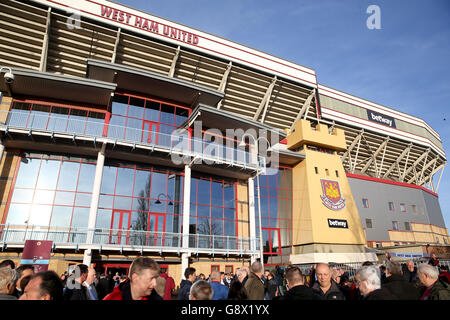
(146,281)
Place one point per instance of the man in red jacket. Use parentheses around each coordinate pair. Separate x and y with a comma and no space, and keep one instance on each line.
(170,285)
(141,282)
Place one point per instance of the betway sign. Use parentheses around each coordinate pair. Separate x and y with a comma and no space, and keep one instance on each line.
(139,22)
(381,118)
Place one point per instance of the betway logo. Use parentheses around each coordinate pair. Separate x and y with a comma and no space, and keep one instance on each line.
(380,118)
(335,223)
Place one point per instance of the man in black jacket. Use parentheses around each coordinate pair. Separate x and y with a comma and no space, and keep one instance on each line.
(325,286)
(297,289)
(397,285)
(75,290)
(185,285)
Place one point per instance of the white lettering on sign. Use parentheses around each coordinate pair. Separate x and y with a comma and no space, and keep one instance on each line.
(381,119)
(337,223)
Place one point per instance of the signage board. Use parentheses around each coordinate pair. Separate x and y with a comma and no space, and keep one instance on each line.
(37,253)
(381,118)
(337,223)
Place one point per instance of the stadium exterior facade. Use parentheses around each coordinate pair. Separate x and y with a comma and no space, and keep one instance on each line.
(88,147)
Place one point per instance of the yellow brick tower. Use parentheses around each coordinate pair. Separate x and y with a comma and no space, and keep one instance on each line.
(325,219)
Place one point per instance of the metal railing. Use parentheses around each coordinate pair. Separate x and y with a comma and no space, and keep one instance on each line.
(125,238)
(178,140)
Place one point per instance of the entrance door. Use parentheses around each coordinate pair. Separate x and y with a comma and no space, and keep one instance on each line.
(157,226)
(120,224)
(150,131)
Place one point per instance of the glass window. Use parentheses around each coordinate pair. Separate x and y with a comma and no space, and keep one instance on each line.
(414,208)
(68,176)
(229,214)
(44,197)
(61,217)
(217,194)
(40,215)
(103,220)
(391,206)
(203,211)
(395,225)
(407,226)
(108,180)
(28,172)
(22,195)
(18,214)
(369,223)
(167,114)
(217,212)
(152,111)
(159,186)
(142,184)
(229,197)
(64,198)
(86,179)
(181,116)
(80,217)
(136,108)
(83,200)
(365,203)
(273,202)
(204,192)
(48,174)
(230,228)
(106,201)
(124,185)
(119,105)
(123,203)
(402,207)
(141,204)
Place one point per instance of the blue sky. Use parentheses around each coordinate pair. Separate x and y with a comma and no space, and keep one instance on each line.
(405,65)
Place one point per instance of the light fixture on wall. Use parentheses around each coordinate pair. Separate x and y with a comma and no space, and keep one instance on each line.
(158,201)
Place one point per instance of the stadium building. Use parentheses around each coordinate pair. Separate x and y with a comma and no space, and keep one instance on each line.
(114,144)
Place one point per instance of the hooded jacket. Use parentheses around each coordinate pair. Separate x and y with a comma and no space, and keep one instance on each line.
(123,292)
(185,288)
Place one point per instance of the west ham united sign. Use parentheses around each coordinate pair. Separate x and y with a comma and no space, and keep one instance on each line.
(332,198)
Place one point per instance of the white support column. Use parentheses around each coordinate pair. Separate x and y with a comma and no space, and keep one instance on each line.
(186,206)
(184,263)
(94,204)
(2,150)
(440,177)
(251,217)
(44,51)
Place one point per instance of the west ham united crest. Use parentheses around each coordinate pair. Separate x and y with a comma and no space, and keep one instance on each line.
(332,198)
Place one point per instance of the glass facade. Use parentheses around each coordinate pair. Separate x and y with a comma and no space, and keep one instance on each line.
(276,215)
(140,198)
(58,118)
(144,120)
(213,212)
(52,191)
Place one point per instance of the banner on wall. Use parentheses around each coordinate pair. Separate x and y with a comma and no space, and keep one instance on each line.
(37,253)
